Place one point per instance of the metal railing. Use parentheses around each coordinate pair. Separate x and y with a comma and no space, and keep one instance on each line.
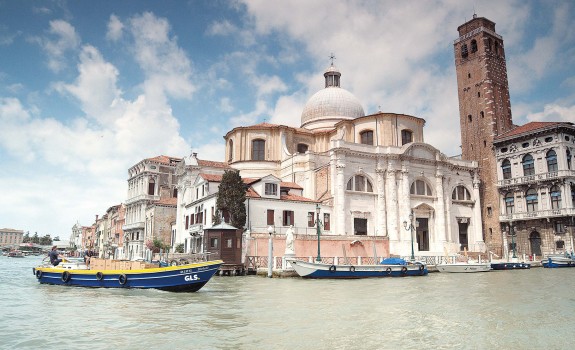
(535,178)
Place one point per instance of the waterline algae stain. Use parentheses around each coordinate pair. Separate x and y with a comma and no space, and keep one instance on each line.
(496,310)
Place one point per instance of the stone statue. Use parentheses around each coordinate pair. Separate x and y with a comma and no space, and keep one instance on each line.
(289,241)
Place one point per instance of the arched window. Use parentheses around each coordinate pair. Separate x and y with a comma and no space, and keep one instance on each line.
(406,136)
(555,193)
(528,165)
(473,45)
(230,150)
(258,149)
(568,159)
(464,50)
(302,148)
(460,193)
(420,188)
(531,199)
(509,203)
(366,137)
(551,161)
(506,168)
(359,183)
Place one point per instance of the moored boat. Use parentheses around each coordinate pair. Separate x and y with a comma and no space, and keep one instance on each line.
(510,265)
(464,267)
(183,278)
(554,261)
(15,254)
(320,270)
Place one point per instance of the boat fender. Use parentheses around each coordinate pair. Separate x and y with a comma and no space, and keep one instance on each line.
(352,268)
(332,268)
(404,270)
(99,276)
(421,269)
(65,276)
(34,271)
(122,279)
(174,263)
(38,274)
(388,270)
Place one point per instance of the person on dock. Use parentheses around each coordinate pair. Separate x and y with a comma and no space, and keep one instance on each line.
(54,256)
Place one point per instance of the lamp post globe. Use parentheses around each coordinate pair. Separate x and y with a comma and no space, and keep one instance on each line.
(410,228)
(270,251)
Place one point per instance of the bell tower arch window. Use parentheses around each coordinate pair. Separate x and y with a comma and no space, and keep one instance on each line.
(473,45)
(258,149)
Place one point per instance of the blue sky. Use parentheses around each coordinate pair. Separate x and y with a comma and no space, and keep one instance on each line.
(89,88)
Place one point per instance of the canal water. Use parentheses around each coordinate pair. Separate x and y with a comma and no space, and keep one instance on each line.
(528,309)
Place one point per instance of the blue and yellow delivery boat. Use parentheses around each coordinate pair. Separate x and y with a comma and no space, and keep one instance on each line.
(183,278)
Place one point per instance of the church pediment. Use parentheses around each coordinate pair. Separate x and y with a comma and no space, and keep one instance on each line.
(422,151)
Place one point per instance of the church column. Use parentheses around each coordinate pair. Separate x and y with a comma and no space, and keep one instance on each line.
(405,206)
(441,233)
(477,224)
(381,219)
(392,205)
(340,198)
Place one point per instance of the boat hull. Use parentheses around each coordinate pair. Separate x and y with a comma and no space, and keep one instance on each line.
(510,265)
(184,278)
(464,268)
(319,270)
(557,261)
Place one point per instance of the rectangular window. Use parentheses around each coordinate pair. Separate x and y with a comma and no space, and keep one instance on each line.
(489,211)
(229,243)
(258,149)
(271,189)
(406,137)
(310,220)
(559,227)
(187,221)
(359,226)
(213,242)
(288,218)
(271,217)
(326,221)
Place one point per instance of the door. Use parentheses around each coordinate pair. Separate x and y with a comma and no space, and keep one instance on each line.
(422,233)
(463,240)
(535,242)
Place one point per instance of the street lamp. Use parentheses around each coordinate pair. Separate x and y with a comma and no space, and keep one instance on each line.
(410,228)
(512,234)
(317,210)
(270,251)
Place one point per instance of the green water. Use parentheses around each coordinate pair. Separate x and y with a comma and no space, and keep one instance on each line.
(527,309)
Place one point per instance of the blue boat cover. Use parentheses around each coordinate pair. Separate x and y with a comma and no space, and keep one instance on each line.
(393,261)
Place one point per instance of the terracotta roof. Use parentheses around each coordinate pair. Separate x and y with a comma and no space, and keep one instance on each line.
(211,177)
(167,201)
(530,127)
(213,164)
(249,180)
(293,197)
(291,185)
(251,193)
(164,159)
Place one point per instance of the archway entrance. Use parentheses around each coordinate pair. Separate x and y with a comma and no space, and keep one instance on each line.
(535,242)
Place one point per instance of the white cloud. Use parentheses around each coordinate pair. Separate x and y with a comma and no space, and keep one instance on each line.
(221,28)
(553,112)
(63,39)
(115,28)
(168,69)
(225,105)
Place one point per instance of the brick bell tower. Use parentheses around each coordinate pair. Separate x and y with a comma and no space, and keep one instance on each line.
(484,111)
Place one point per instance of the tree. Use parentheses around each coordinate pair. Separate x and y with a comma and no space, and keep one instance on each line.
(26,238)
(180,248)
(35,238)
(231,199)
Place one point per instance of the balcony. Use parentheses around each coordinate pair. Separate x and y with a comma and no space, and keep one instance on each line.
(134,226)
(195,228)
(535,178)
(540,214)
(142,197)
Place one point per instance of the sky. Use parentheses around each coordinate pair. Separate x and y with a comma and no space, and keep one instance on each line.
(90,88)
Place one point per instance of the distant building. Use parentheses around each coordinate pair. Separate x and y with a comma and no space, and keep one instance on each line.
(151,181)
(11,237)
(536,187)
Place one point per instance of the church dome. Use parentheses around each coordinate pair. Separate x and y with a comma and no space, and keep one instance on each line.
(330,105)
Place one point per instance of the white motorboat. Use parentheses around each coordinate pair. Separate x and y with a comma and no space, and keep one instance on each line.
(464,267)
